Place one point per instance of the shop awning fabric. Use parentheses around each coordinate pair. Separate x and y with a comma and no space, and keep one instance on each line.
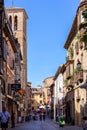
(84,86)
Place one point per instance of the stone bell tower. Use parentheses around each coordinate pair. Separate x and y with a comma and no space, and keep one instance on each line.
(82,0)
(18,20)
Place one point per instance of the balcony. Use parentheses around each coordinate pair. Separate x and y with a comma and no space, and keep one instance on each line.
(68,72)
(69,69)
(70,84)
(79,76)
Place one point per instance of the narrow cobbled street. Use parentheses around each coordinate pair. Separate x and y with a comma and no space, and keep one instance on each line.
(48,124)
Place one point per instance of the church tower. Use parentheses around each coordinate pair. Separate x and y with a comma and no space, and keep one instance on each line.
(18,20)
(83,1)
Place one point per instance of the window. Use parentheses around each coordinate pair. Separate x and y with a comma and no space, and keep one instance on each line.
(82,19)
(32,95)
(15,23)
(48,92)
(12,64)
(32,101)
(40,101)
(4,49)
(77,48)
(59,89)
(10,20)
(40,95)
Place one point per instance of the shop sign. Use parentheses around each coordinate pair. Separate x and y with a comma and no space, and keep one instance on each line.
(16,87)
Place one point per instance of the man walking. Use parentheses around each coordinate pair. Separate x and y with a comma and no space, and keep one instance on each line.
(44,115)
(5,115)
(12,119)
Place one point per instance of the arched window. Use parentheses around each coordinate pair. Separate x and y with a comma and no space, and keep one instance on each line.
(10,20)
(15,23)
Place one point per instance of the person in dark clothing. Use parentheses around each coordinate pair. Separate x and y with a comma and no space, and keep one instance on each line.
(44,115)
(40,116)
(12,120)
(5,115)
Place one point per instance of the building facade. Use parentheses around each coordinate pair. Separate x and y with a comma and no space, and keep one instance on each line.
(18,22)
(58,92)
(36,99)
(9,48)
(28,96)
(46,90)
(75,77)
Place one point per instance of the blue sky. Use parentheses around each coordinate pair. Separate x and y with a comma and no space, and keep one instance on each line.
(47,29)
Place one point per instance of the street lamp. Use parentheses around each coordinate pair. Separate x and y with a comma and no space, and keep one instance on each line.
(79,65)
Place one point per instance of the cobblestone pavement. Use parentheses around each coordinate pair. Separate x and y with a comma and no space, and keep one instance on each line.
(43,125)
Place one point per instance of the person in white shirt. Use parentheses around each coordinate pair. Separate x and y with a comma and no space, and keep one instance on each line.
(5,115)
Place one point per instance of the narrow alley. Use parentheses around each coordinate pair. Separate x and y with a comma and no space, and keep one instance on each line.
(43,68)
(48,124)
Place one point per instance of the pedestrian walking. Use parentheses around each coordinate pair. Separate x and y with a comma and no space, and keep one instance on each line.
(12,120)
(5,115)
(44,115)
(40,116)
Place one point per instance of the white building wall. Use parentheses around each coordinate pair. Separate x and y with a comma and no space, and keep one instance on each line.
(60,87)
(58,93)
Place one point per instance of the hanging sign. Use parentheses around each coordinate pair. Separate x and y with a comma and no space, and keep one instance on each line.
(16,87)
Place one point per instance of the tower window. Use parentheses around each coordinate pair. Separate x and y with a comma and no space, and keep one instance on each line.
(82,19)
(15,23)
(10,20)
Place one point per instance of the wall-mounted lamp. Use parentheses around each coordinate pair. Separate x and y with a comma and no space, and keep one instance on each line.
(79,64)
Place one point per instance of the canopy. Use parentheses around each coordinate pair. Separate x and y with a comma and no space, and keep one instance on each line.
(84,85)
(41,106)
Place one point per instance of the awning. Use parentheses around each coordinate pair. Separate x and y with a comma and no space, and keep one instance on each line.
(41,106)
(84,85)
